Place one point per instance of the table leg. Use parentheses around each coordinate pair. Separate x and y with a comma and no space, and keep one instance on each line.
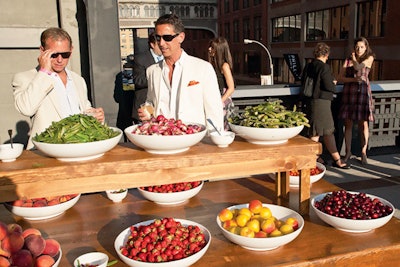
(282,185)
(304,192)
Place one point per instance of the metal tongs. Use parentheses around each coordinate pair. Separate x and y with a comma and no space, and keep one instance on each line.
(212,124)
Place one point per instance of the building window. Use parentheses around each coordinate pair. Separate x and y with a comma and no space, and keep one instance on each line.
(371,18)
(328,24)
(235,31)
(257,28)
(246,3)
(286,29)
(235,5)
(227,31)
(257,2)
(246,28)
(226,6)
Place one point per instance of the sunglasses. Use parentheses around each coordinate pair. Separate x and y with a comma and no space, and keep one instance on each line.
(63,55)
(167,37)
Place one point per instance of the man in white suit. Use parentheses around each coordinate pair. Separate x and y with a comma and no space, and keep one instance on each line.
(182,86)
(51,92)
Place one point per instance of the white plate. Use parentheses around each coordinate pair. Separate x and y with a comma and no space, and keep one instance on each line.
(294,180)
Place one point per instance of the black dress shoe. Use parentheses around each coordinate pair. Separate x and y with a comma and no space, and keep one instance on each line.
(346,166)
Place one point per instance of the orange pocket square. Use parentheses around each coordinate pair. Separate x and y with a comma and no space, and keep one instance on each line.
(193,82)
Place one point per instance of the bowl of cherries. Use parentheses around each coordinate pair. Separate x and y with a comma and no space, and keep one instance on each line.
(316,174)
(354,212)
(171,194)
(165,136)
(184,243)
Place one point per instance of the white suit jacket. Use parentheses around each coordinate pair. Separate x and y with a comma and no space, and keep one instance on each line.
(34,97)
(198,95)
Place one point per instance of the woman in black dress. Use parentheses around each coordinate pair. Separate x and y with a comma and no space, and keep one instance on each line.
(321,115)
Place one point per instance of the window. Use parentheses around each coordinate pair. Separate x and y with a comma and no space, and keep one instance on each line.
(246,28)
(246,3)
(286,29)
(371,18)
(226,6)
(257,28)
(227,31)
(328,24)
(235,5)
(236,31)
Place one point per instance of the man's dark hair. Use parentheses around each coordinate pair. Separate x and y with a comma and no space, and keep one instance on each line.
(55,34)
(173,20)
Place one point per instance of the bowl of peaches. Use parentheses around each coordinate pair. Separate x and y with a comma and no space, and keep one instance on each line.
(316,174)
(165,136)
(42,208)
(258,226)
(171,194)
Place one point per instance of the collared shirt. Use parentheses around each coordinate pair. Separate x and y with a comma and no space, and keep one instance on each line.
(156,57)
(68,99)
(169,91)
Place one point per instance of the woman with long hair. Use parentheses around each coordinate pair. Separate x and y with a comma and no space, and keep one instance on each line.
(357,102)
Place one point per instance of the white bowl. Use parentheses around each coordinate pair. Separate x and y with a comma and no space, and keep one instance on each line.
(171,198)
(117,196)
(124,235)
(267,243)
(8,153)
(162,144)
(80,151)
(350,225)
(266,136)
(294,180)
(58,259)
(42,213)
(98,259)
(223,140)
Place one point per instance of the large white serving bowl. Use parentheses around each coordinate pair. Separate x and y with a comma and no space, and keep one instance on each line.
(295,180)
(58,259)
(174,198)
(80,151)
(267,243)
(10,153)
(42,213)
(98,259)
(163,144)
(123,237)
(349,225)
(266,136)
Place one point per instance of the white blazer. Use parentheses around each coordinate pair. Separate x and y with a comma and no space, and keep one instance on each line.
(34,97)
(199,96)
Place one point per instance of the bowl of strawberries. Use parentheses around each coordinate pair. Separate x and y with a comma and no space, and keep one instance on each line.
(316,174)
(165,136)
(171,194)
(190,242)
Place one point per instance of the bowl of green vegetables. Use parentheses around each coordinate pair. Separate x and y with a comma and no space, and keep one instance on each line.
(76,138)
(269,123)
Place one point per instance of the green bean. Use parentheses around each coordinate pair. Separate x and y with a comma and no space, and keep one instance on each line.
(77,128)
(270,114)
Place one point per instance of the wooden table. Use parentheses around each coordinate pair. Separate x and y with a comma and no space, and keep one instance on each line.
(126,166)
(94,222)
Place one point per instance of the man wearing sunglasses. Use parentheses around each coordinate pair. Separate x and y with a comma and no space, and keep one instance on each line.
(51,92)
(182,86)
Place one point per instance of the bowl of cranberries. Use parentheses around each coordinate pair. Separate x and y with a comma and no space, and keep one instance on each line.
(165,136)
(315,175)
(162,242)
(171,194)
(354,212)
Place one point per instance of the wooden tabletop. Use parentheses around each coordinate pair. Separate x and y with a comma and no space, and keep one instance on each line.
(126,166)
(94,222)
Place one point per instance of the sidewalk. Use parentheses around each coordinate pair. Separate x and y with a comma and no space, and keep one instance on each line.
(381,177)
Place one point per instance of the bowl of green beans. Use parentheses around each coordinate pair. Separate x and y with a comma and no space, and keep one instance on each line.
(76,138)
(268,123)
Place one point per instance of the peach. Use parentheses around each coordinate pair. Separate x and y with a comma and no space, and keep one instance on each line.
(35,244)
(3,230)
(14,227)
(260,234)
(293,222)
(268,225)
(30,231)
(52,247)
(286,229)
(4,262)
(53,202)
(265,213)
(247,232)
(27,204)
(22,258)
(13,242)
(44,261)
(275,233)
(225,215)
(255,206)
(4,253)
(18,202)
(254,225)
(228,224)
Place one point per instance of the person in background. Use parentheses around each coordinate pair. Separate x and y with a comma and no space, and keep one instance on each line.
(321,118)
(357,102)
(51,92)
(140,63)
(182,86)
(219,55)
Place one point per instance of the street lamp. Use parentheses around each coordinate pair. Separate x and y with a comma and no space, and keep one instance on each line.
(248,41)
